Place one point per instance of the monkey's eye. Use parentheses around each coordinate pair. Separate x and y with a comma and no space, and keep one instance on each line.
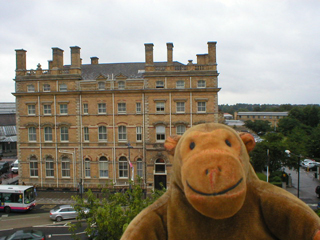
(192,145)
(228,143)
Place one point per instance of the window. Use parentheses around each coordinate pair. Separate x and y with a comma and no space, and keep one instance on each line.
(180,84)
(86,133)
(30,88)
(159,84)
(33,167)
(181,129)
(63,109)
(201,84)
(47,109)
(87,171)
(49,167)
(139,167)
(32,134)
(121,85)
(161,133)
(202,107)
(31,109)
(102,133)
(48,134)
(122,133)
(103,167)
(63,87)
(160,107)
(85,108)
(122,108)
(160,166)
(65,166)
(139,134)
(102,108)
(123,167)
(101,86)
(180,107)
(46,88)
(64,134)
(138,107)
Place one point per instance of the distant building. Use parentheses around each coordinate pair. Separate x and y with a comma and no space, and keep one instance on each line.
(95,123)
(272,117)
(8,133)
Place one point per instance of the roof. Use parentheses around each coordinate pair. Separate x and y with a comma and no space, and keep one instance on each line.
(8,131)
(234,122)
(7,107)
(131,70)
(7,119)
(263,113)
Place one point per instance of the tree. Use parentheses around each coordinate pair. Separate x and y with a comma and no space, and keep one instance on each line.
(110,216)
(274,145)
(258,126)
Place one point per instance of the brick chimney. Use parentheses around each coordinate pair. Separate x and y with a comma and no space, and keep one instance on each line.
(212,53)
(169,57)
(57,58)
(94,60)
(75,57)
(21,59)
(149,57)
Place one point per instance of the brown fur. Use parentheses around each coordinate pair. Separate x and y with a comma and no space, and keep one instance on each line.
(215,194)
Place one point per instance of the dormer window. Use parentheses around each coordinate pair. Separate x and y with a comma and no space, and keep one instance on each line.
(121,85)
(101,86)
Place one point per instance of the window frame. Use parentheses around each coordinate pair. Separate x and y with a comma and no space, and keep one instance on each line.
(160,133)
(49,169)
(31,109)
(121,85)
(65,167)
(200,108)
(87,168)
(160,107)
(140,167)
(63,87)
(122,108)
(63,107)
(139,134)
(46,87)
(103,172)
(47,135)
(64,134)
(201,84)
(31,88)
(122,133)
(85,108)
(33,167)
(101,86)
(180,109)
(138,107)
(159,84)
(102,108)
(86,136)
(123,167)
(180,84)
(179,131)
(47,109)
(102,136)
(32,136)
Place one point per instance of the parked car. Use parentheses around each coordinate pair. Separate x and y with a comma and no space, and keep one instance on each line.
(4,167)
(25,234)
(64,212)
(15,166)
(318,191)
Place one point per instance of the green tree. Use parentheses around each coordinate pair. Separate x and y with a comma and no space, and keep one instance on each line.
(258,126)
(274,145)
(110,216)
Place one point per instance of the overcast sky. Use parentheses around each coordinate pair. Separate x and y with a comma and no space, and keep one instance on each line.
(268,51)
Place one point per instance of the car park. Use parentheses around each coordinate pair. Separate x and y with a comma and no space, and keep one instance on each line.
(4,167)
(64,212)
(25,234)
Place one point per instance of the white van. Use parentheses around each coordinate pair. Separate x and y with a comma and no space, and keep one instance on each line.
(15,166)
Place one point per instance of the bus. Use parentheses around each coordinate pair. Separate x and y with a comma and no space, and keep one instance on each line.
(17,198)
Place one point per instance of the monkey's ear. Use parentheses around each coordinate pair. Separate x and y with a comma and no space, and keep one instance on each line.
(248,140)
(171,143)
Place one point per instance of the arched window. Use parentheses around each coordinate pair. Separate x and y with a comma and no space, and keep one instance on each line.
(65,166)
(160,166)
(123,167)
(181,129)
(103,167)
(87,169)
(102,133)
(33,166)
(139,167)
(122,133)
(49,167)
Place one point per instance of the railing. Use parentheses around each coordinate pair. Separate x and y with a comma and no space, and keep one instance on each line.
(46,71)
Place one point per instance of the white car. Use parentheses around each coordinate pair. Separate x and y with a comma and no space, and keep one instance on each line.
(15,166)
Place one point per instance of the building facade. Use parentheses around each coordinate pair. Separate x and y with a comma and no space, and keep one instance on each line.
(97,123)
(8,133)
(272,117)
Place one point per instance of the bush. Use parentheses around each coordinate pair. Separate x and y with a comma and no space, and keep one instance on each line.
(110,217)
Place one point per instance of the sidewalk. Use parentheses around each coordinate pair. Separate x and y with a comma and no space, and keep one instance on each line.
(44,197)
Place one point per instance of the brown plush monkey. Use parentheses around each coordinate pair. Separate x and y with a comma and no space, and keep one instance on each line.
(215,194)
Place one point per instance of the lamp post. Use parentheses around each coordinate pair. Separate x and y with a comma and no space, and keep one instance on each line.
(299,156)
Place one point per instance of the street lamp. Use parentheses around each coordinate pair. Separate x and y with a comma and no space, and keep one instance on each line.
(288,152)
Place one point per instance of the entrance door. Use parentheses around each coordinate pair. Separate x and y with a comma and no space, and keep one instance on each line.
(160,181)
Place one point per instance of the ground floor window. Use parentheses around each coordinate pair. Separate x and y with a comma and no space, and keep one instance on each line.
(123,167)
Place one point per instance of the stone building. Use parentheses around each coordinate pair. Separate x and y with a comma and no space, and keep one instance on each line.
(97,123)
(272,117)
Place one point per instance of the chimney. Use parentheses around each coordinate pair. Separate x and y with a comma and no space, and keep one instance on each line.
(169,53)
(21,59)
(57,58)
(94,60)
(212,53)
(75,57)
(149,57)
